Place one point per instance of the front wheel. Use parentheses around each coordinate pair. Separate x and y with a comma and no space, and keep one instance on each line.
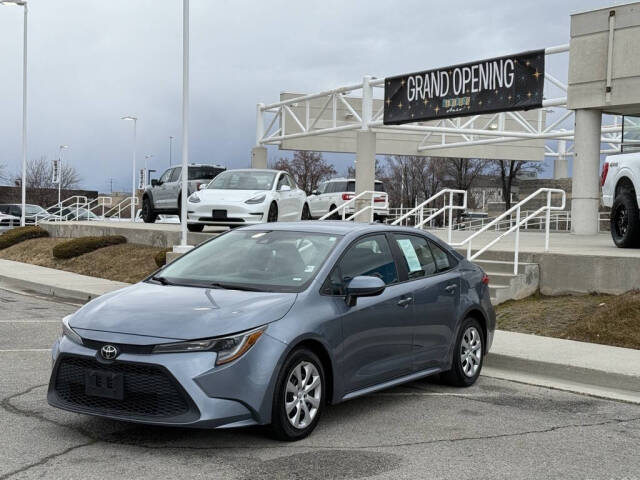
(148,213)
(195,227)
(306,214)
(468,355)
(625,221)
(299,396)
(272,216)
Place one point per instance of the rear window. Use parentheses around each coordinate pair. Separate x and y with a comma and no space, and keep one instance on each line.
(351,187)
(204,173)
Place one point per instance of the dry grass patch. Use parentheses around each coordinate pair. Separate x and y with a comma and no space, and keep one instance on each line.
(606,319)
(124,263)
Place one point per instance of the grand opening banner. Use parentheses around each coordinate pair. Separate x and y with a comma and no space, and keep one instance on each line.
(513,82)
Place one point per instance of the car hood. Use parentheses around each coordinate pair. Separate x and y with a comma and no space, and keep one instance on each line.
(229,195)
(181,313)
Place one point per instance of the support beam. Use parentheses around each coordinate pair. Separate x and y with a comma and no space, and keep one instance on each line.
(259,157)
(365,169)
(585,195)
(561,164)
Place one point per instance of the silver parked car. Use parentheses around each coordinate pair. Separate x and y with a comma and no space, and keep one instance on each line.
(268,324)
(164,195)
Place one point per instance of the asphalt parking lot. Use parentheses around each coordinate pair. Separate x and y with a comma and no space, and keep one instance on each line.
(496,429)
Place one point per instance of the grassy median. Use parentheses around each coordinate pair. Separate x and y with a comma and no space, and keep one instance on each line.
(607,319)
(124,262)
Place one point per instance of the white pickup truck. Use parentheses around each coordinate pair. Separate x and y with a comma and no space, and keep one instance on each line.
(620,181)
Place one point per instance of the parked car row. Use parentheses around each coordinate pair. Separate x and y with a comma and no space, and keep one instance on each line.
(250,196)
(33,213)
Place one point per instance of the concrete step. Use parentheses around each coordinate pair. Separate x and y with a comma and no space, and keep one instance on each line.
(500,279)
(497,266)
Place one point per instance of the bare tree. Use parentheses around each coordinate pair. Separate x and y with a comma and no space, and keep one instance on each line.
(40,175)
(508,171)
(307,168)
(412,179)
(463,171)
(380,171)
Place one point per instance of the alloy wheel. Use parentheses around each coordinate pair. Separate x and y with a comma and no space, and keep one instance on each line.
(471,351)
(302,395)
(622,221)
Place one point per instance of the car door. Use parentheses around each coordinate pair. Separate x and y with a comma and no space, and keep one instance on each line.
(159,193)
(172,189)
(436,296)
(298,197)
(377,331)
(286,199)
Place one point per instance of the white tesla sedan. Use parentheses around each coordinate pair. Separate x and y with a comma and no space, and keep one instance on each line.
(245,197)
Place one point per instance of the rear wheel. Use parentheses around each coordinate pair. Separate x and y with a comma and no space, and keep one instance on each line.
(306,214)
(299,397)
(625,221)
(468,355)
(195,227)
(334,216)
(148,213)
(272,216)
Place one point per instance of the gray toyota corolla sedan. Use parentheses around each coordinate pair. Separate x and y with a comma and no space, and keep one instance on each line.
(269,324)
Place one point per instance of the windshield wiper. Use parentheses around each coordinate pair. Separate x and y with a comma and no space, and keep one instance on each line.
(162,280)
(227,286)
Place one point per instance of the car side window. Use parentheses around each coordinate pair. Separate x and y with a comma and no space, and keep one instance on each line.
(368,256)
(282,181)
(416,255)
(175,174)
(443,260)
(292,183)
(165,176)
(322,187)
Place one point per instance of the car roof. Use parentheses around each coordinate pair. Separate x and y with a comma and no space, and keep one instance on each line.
(342,179)
(254,170)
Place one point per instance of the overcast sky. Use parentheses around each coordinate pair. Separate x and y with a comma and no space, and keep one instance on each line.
(90,62)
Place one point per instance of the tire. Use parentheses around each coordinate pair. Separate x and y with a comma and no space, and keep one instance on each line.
(195,227)
(272,216)
(335,216)
(306,213)
(180,207)
(300,365)
(625,221)
(466,365)
(149,215)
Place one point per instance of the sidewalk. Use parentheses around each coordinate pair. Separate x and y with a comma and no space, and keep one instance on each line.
(598,370)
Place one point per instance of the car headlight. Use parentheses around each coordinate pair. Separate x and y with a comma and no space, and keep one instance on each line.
(68,332)
(227,348)
(256,200)
(193,198)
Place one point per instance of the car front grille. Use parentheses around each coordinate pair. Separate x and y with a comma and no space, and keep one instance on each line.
(150,391)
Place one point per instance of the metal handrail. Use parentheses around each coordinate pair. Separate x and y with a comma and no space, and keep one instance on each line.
(352,201)
(76,200)
(516,227)
(450,207)
(99,202)
(111,213)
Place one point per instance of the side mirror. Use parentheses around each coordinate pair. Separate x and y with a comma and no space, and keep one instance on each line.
(202,186)
(155,182)
(315,192)
(363,286)
(285,188)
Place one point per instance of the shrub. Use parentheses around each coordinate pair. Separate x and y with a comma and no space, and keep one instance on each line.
(20,234)
(161,257)
(79,246)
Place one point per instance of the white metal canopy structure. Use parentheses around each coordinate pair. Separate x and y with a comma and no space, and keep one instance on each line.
(329,120)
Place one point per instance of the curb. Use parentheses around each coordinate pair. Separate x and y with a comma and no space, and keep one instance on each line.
(43,289)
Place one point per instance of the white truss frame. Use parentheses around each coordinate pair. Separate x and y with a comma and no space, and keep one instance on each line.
(472,133)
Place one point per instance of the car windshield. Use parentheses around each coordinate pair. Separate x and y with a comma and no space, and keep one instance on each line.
(34,210)
(204,173)
(243,180)
(270,261)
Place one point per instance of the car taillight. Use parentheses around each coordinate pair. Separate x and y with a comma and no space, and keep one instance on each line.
(485,279)
(347,196)
(605,171)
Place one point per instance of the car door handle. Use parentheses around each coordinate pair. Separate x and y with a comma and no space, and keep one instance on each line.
(403,302)
(451,288)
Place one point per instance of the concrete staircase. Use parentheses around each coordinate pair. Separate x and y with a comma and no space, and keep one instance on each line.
(503,284)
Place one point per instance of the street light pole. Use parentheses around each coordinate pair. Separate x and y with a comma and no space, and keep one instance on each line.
(23,4)
(185,122)
(133,177)
(62,147)
(171,137)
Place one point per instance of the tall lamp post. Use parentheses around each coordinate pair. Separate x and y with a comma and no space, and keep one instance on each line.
(134,119)
(146,170)
(62,147)
(23,3)
(171,137)
(185,125)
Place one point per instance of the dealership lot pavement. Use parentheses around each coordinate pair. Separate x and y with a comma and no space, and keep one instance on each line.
(496,429)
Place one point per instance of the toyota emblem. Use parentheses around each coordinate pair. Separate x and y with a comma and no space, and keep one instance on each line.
(109,352)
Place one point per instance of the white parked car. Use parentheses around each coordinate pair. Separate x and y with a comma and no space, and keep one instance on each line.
(620,181)
(333,193)
(245,197)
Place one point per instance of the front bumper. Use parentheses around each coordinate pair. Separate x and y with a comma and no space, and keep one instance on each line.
(237,213)
(177,389)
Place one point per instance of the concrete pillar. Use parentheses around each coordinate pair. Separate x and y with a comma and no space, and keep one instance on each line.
(365,169)
(561,164)
(585,196)
(259,157)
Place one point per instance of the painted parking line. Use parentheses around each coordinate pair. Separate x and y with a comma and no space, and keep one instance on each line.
(29,321)
(422,394)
